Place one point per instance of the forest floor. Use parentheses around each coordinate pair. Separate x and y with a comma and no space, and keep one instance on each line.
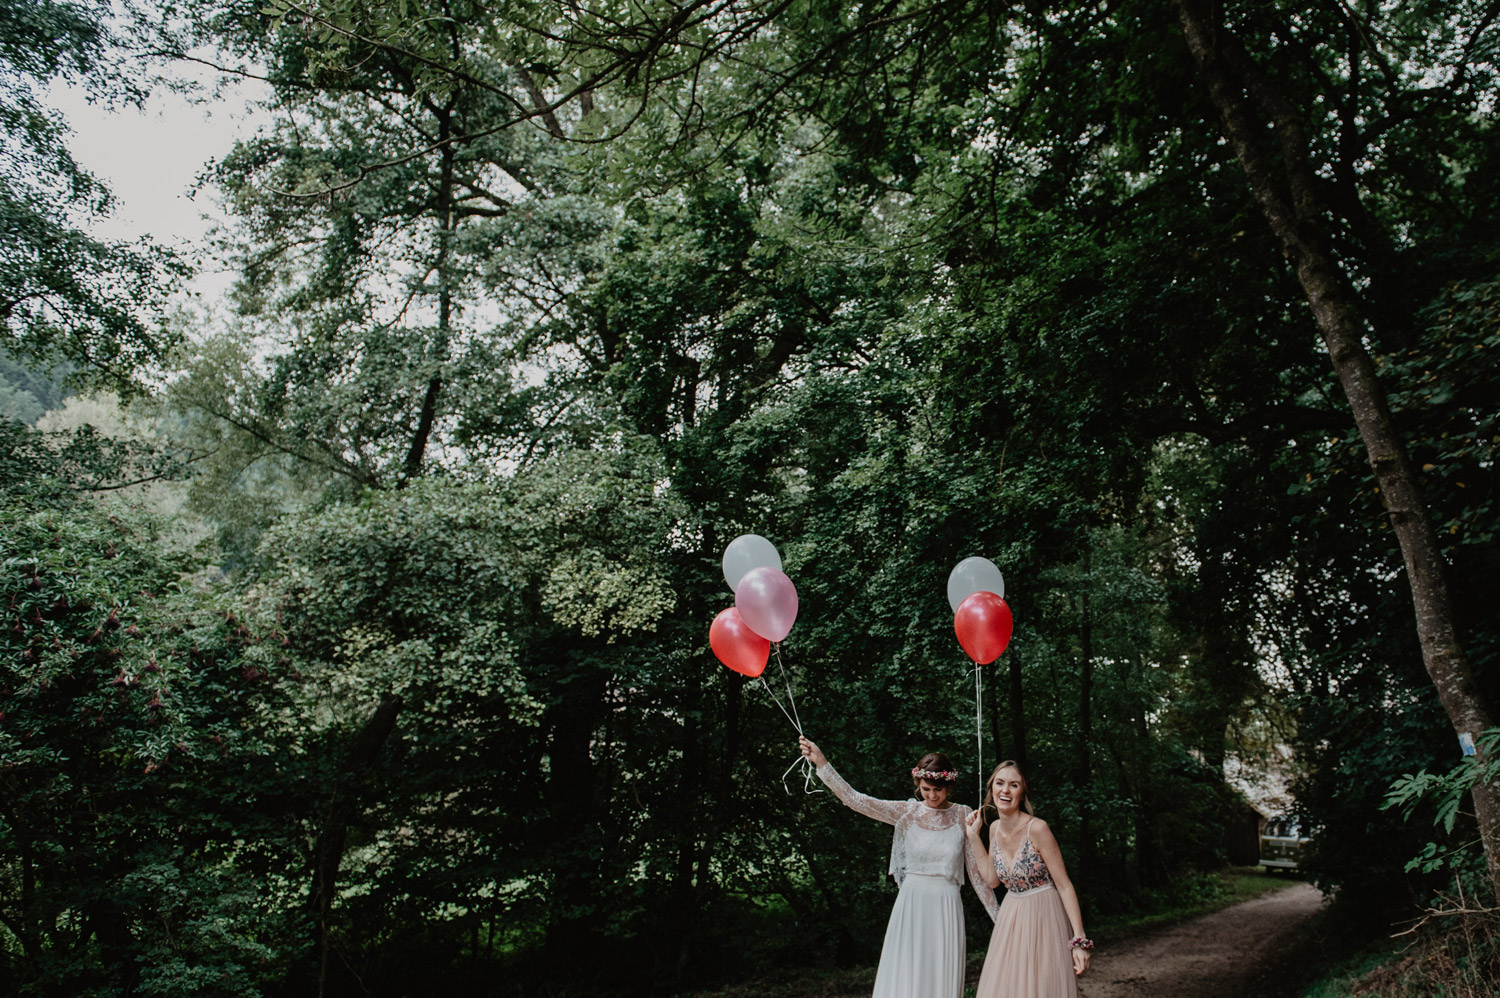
(1253,949)
(1259,948)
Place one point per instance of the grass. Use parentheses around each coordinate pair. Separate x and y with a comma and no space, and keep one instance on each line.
(1341,981)
(800,984)
(1457,956)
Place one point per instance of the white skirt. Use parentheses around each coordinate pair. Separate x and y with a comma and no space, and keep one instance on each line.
(923,956)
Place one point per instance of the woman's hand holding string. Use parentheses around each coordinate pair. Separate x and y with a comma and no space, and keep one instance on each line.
(811,752)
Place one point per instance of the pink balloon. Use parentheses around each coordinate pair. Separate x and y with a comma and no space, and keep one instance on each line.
(738,647)
(767,602)
(983,625)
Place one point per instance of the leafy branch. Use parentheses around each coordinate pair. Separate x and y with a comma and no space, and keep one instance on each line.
(1411,791)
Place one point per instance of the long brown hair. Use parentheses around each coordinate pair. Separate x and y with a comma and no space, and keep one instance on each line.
(989,790)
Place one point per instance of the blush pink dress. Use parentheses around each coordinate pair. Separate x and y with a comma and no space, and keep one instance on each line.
(1029,955)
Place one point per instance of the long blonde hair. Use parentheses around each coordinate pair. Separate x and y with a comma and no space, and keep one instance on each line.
(989,788)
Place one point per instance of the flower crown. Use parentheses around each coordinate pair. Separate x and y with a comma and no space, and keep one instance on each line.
(935,775)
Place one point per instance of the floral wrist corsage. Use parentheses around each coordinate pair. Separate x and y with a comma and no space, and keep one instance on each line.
(1078,942)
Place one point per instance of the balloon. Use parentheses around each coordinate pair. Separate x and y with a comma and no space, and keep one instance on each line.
(738,647)
(746,552)
(973,575)
(983,625)
(767,602)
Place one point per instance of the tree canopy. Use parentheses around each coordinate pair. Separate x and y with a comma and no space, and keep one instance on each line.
(68,296)
(540,306)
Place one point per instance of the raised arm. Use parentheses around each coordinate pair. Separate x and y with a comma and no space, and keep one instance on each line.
(985,873)
(888,811)
(1046,844)
(979,865)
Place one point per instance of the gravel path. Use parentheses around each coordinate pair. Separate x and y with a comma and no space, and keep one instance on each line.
(1239,952)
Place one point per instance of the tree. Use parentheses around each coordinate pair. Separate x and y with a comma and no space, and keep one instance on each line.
(69,296)
(26,394)
(136,748)
(1269,134)
(1286,147)
(854,283)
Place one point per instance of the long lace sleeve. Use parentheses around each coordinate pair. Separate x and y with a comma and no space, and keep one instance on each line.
(974,864)
(888,811)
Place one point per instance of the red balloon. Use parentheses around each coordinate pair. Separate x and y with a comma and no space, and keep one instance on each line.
(738,647)
(983,625)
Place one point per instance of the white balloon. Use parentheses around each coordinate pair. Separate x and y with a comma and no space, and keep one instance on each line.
(746,552)
(973,575)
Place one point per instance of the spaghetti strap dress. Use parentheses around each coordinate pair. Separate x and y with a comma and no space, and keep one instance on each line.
(1029,955)
(923,953)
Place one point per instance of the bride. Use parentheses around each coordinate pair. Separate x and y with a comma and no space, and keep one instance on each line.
(923,954)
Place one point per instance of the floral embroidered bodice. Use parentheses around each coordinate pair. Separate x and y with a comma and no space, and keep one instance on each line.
(1027,872)
(928,841)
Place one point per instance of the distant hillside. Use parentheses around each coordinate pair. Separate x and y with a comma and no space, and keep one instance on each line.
(26,393)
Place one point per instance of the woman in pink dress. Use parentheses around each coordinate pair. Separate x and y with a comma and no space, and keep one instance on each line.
(1038,947)
(923,955)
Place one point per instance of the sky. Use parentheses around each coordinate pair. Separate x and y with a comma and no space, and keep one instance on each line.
(151,158)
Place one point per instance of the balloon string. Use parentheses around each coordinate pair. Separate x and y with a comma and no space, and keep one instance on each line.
(808,769)
(777,701)
(786,680)
(979,732)
(808,772)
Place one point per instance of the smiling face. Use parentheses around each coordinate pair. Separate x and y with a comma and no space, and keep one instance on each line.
(932,794)
(1007,790)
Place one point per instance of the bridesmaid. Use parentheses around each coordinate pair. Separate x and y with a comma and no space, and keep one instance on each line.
(1038,947)
(923,954)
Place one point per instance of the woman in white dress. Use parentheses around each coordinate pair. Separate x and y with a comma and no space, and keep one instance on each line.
(923,954)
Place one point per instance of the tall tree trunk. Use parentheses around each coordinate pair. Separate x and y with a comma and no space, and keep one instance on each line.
(24,925)
(695,843)
(688,793)
(412,466)
(1135,772)
(343,805)
(573,806)
(1285,187)
(722,814)
(117,948)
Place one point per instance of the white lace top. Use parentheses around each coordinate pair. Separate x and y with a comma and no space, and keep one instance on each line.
(928,840)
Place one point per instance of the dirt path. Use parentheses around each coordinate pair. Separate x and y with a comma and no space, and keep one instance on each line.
(1240,952)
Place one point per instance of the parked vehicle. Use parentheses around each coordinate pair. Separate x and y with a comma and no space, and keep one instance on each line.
(1281,843)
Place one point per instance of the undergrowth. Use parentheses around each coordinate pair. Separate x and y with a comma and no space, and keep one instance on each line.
(1453,951)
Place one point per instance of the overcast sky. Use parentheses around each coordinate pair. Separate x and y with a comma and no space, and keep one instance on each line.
(150,160)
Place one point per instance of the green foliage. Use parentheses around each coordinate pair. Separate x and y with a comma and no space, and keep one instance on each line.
(68,296)
(1444,794)
(1456,954)
(889,286)
(1356,754)
(25,394)
(128,697)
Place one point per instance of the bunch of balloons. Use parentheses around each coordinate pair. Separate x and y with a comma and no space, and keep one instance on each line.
(765,606)
(981,619)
